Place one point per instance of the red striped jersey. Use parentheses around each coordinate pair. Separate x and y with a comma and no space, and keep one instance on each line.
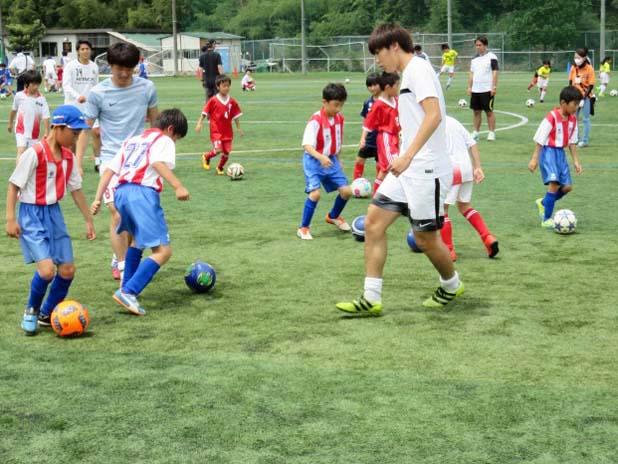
(324,134)
(42,179)
(556,132)
(30,110)
(383,117)
(221,112)
(133,163)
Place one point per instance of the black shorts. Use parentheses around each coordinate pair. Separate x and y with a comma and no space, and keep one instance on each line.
(483,101)
(368,152)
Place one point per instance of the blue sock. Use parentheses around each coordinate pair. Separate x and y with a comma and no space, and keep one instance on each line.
(549,201)
(58,292)
(142,277)
(131,263)
(38,288)
(337,207)
(560,194)
(308,211)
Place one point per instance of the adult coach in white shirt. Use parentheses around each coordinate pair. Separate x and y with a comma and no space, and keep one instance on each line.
(19,65)
(419,179)
(482,87)
(79,77)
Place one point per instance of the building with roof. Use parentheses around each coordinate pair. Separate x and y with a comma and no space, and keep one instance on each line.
(189,45)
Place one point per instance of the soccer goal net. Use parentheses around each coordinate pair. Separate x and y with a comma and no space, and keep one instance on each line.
(351,56)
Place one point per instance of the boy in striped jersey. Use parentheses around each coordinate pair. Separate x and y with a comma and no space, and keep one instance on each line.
(43,174)
(557,131)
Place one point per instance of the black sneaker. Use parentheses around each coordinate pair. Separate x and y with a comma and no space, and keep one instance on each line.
(44,321)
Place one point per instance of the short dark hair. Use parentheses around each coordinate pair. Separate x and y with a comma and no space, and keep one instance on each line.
(175,118)
(606,59)
(582,51)
(82,42)
(387,34)
(418,48)
(389,79)
(334,92)
(31,77)
(445,46)
(547,62)
(65,53)
(482,39)
(569,94)
(204,48)
(222,78)
(372,79)
(123,54)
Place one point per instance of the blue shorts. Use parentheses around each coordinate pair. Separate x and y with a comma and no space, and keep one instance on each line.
(44,234)
(315,175)
(554,166)
(141,215)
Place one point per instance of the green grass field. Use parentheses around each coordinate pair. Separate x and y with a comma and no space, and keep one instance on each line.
(265,370)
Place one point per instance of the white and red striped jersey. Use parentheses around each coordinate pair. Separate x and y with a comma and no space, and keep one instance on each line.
(556,132)
(383,117)
(43,180)
(324,134)
(31,109)
(133,163)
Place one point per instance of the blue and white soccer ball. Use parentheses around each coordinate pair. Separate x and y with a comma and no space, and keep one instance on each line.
(200,277)
(361,188)
(565,222)
(358,228)
(530,103)
(412,242)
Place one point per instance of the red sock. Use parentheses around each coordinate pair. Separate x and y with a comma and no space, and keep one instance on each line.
(476,220)
(222,161)
(359,168)
(447,232)
(376,185)
(211,154)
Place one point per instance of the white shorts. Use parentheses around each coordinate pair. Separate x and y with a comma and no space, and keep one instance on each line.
(447,68)
(460,193)
(108,195)
(542,83)
(25,142)
(421,199)
(51,78)
(604,78)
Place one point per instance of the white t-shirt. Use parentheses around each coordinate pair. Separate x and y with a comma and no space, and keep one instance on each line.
(482,72)
(459,141)
(418,82)
(77,81)
(21,63)
(49,66)
(246,79)
(30,111)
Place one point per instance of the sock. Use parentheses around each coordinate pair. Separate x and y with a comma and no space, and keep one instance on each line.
(142,277)
(308,211)
(58,292)
(359,168)
(211,154)
(559,194)
(373,289)
(38,287)
(603,87)
(452,284)
(131,263)
(447,232)
(549,202)
(476,220)
(222,161)
(337,207)
(114,262)
(449,81)
(376,185)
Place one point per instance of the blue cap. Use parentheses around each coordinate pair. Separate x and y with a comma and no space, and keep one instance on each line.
(70,116)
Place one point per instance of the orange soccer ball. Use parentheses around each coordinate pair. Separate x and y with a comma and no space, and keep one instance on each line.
(70,318)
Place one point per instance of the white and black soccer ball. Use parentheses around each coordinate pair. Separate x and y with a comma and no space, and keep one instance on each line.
(347,81)
(361,188)
(613,93)
(235,171)
(530,103)
(565,221)
(462,103)
(3,96)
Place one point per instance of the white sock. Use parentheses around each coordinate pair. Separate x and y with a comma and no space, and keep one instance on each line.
(121,269)
(448,82)
(114,262)
(603,87)
(452,284)
(373,289)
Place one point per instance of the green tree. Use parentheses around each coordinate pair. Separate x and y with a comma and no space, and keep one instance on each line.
(24,27)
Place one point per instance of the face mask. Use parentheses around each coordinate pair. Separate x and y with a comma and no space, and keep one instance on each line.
(579,61)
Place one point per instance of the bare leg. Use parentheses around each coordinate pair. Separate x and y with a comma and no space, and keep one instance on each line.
(377,222)
(437,252)
(476,120)
(120,242)
(491,121)
(80,149)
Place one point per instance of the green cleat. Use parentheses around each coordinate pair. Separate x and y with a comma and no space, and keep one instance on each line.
(360,306)
(541,207)
(441,297)
(547,224)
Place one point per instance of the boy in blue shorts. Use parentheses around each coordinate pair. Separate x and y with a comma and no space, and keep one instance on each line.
(322,142)
(140,166)
(557,131)
(44,173)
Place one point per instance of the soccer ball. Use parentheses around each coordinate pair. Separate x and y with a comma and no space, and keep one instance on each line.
(358,228)
(235,171)
(613,93)
(565,221)
(3,95)
(462,103)
(69,318)
(347,81)
(200,277)
(412,242)
(361,188)
(530,103)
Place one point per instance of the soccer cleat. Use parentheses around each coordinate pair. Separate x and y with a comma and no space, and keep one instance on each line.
(360,306)
(441,297)
(29,321)
(205,162)
(220,172)
(491,136)
(129,302)
(304,233)
(339,222)
(582,145)
(547,224)
(44,320)
(541,207)
(475,135)
(491,244)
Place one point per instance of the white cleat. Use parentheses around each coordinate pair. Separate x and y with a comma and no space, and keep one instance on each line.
(491,136)
(304,233)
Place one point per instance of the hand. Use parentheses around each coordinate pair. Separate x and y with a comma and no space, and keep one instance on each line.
(469,90)
(198,128)
(578,167)
(325,161)
(81,99)
(398,165)
(479,175)
(182,194)
(532,165)
(240,132)
(94,208)
(12,228)
(362,144)
(90,232)
(494,91)
(9,128)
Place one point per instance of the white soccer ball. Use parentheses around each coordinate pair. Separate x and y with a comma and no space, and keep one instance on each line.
(3,96)
(235,171)
(361,188)
(565,221)
(530,103)
(462,103)
(613,93)
(347,81)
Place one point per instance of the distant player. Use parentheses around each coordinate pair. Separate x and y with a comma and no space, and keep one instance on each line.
(60,74)
(541,79)
(582,78)
(21,63)
(6,89)
(557,131)
(142,68)
(604,71)
(44,173)
(220,111)
(322,141)
(49,74)
(384,118)
(449,56)
(248,82)
(370,149)
(140,166)
(418,51)
(467,171)
(28,113)
(482,87)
